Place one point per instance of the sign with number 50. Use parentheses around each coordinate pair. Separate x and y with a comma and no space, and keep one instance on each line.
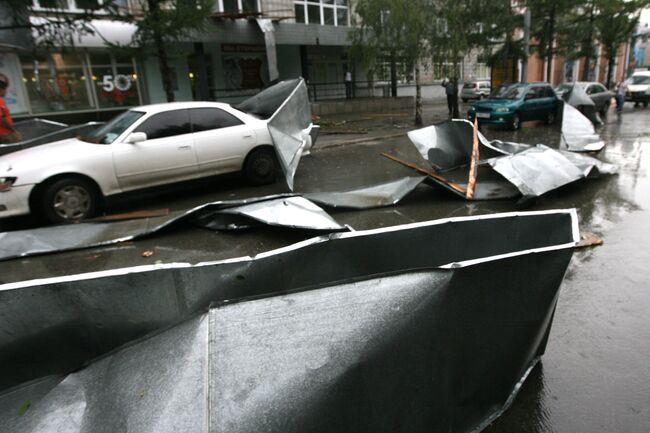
(120,82)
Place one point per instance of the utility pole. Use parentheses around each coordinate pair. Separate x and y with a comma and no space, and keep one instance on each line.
(524,62)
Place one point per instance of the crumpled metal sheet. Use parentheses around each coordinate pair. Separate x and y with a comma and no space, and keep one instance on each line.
(287,108)
(290,129)
(429,334)
(448,144)
(40,131)
(537,170)
(490,184)
(578,98)
(294,212)
(268,101)
(278,210)
(384,194)
(517,169)
(578,133)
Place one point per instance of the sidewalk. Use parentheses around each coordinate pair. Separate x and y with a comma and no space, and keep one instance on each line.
(341,129)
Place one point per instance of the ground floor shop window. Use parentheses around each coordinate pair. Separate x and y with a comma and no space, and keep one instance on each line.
(78,81)
(115,80)
(56,82)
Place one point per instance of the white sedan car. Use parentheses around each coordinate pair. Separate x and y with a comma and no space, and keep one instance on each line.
(143,147)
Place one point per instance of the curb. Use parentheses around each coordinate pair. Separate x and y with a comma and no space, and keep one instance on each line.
(357,140)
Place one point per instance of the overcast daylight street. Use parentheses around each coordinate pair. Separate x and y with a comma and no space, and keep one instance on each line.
(248,231)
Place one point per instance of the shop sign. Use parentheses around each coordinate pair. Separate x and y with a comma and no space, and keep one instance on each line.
(121,82)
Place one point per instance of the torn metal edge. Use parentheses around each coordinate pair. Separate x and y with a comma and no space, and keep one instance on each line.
(319,239)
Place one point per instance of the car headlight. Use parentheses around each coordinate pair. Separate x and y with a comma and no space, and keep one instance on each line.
(6,183)
(502,110)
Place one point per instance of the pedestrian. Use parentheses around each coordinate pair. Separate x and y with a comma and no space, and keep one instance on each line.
(348,84)
(7,132)
(620,95)
(450,91)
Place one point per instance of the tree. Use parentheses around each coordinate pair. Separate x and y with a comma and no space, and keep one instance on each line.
(549,28)
(463,26)
(397,27)
(57,28)
(616,24)
(162,22)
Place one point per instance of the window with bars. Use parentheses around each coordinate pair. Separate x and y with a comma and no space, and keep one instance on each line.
(323,12)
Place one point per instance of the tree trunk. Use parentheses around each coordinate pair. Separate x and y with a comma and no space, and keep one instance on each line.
(587,44)
(393,74)
(550,40)
(610,66)
(418,97)
(163,61)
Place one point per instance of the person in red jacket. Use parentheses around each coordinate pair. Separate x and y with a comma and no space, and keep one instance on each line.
(7,132)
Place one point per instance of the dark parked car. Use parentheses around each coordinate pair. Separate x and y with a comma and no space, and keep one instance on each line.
(511,104)
(601,97)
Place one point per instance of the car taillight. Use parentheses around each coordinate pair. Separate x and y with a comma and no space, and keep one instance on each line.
(6,183)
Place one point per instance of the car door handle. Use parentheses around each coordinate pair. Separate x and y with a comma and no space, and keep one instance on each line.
(247,136)
(185,146)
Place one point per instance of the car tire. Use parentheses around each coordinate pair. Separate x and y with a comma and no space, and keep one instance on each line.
(550,118)
(261,166)
(69,200)
(645,103)
(515,123)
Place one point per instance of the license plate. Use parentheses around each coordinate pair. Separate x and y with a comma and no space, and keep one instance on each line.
(483,115)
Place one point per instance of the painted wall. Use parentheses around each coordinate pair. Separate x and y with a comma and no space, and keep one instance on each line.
(155,90)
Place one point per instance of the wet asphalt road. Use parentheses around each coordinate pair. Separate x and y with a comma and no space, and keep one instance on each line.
(595,375)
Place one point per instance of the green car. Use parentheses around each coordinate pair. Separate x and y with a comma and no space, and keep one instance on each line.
(511,104)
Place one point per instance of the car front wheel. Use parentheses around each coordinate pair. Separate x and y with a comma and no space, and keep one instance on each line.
(69,200)
(515,123)
(550,118)
(261,166)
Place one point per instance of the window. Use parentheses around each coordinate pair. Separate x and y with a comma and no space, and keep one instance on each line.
(205,119)
(115,80)
(67,4)
(167,124)
(107,134)
(534,93)
(323,12)
(239,6)
(56,82)
(595,89)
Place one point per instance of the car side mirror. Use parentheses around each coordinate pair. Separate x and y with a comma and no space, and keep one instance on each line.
(136,137)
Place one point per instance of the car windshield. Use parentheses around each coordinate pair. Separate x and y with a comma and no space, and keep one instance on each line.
(564,87)
(641,79)
(508,91)
(469,85)
(113,129)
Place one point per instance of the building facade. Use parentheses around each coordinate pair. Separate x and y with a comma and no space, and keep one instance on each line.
(248,44)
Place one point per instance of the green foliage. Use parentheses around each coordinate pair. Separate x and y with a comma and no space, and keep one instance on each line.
(170,20)
(398,26)
(57,28)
